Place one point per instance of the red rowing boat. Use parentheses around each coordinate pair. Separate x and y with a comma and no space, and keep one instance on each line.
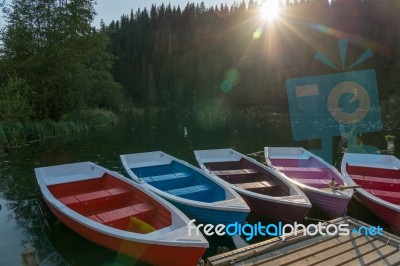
(116,213)
(378,176)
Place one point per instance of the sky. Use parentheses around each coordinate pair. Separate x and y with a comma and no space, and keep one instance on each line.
(109,10)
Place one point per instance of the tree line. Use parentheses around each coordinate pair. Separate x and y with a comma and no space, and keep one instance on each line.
(179,57)
(53,61)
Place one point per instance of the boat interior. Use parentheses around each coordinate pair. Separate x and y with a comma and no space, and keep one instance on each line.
(249,176)
(182,181)
(309,172)
(382,183)
(114,203)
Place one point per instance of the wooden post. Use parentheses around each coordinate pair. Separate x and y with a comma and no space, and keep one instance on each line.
(390,143)
(390,146)
(29,257)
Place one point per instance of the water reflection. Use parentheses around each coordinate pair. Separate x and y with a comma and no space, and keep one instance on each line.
(21,221)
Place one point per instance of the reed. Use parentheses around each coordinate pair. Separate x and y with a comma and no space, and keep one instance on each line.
(92,117)
(14,134)
(137,111)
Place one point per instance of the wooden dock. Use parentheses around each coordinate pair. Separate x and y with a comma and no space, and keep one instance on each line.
(352,249)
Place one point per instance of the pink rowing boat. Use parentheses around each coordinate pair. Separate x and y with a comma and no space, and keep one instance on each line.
(314,176)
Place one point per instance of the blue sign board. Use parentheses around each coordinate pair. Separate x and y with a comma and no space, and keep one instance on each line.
(325,106)
(322,106)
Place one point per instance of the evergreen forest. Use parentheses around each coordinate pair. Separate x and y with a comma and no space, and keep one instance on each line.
(185,57)
(54,63)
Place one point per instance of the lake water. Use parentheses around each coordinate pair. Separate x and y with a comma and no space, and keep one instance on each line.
(23,223)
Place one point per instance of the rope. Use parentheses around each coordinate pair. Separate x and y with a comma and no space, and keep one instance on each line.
(315,219)
(256,153)
(345,214)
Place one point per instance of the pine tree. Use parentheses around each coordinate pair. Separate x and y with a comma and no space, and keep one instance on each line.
(53,47)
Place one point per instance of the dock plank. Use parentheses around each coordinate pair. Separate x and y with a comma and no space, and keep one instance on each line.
(320,253)
(298,249)
(375,256)
(393,259)
(254,250)
(307,249)
(352,254)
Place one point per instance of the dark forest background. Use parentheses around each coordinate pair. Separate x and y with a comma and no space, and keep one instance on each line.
(180,57)
(55,63)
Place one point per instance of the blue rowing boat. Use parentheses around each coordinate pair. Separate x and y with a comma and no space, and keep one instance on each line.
(194,192)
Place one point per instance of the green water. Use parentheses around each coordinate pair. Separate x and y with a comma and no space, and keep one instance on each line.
(23,223)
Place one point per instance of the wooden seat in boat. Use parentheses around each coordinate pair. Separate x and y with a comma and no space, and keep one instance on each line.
(236,176)
(379,183)
(190,190)
(169,177)
(303,173)
(371,171)
(381,179)
(260,186)
(235,172)
(141,210)
(169,181)
(314,182)
(253,185)
(357,178)
(90,201)
(390,196)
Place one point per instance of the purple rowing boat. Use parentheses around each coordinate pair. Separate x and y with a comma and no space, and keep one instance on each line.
(324,186)
(268,194)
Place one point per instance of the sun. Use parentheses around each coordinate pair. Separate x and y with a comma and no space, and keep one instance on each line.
(270,9)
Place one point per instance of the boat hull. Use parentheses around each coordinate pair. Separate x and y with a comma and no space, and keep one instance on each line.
(276,211)
(328,204)
(386,214)
(149,253)
(211,216)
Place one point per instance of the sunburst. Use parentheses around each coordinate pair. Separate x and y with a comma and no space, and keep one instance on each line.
(270,9)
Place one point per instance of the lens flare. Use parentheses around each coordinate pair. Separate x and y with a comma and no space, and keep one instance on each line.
(270,9)
(232,77)
(257,34)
